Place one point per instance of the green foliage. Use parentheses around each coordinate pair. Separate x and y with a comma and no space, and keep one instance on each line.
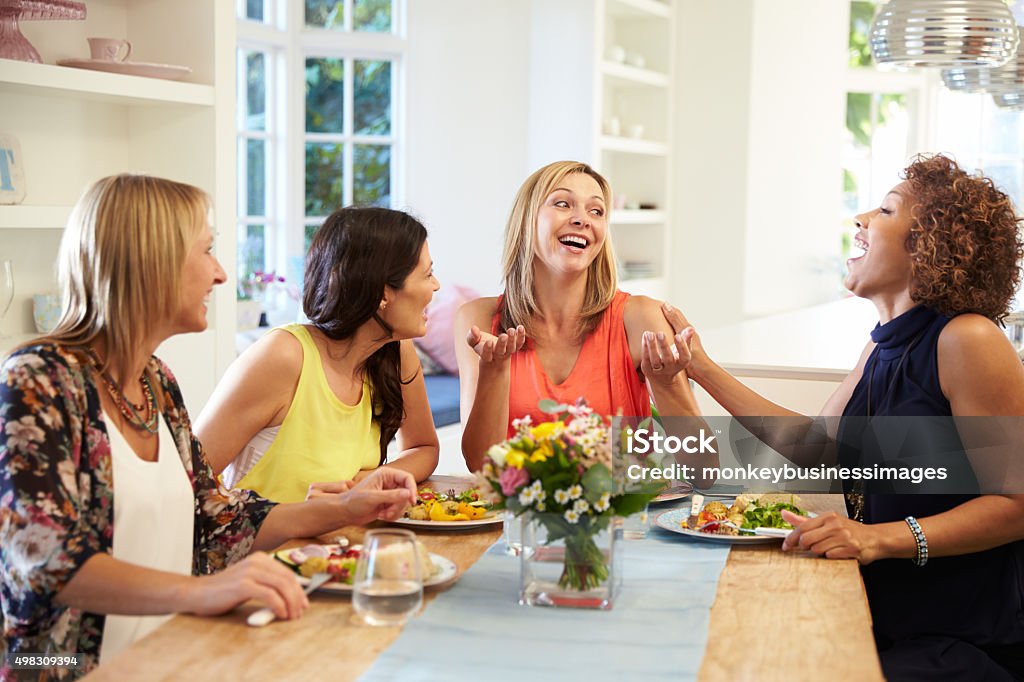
(861,15)
(859,109)
(372,175)
(372,97)
(325,13)
(367,15)
(256,177)
(371,15)
(324,178)
(325,95)
(255,91)
(858,117)
(597,480)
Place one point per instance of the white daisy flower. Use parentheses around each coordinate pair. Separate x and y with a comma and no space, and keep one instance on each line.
(575,491)
(538,489)
(527,496)
(581,507)
(603,503)
(540,506)
(561,496)
(571,516)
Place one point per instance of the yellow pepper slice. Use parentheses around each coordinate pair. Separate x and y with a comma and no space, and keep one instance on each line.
(471,511)
(437,513)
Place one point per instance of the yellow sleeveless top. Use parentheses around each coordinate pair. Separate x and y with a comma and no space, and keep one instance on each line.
(321,438)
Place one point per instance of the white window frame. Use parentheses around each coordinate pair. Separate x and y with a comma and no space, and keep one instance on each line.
(288,42)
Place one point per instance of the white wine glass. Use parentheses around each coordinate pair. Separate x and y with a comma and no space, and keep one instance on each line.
(6,291)
(388,586)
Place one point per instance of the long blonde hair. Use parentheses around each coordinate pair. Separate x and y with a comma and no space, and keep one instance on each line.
(519,304)
(121,259)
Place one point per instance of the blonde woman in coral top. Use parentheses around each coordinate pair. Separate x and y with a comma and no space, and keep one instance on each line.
(561,329)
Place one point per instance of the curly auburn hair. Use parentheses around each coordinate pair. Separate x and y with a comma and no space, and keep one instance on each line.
(964,243)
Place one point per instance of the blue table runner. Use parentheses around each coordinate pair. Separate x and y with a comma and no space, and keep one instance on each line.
(657,628)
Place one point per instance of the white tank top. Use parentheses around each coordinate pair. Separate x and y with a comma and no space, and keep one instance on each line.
(154,511)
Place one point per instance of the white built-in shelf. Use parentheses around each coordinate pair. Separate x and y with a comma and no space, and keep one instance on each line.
(629,145)
(639,8)
(643,216)
(655,287)
(22,217)
(47,79)
(626,75)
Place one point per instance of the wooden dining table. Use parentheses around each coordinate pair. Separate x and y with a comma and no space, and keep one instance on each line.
(776,616)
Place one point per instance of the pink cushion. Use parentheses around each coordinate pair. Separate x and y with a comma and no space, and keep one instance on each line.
(439,341)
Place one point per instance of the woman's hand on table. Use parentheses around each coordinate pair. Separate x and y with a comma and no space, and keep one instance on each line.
(833,536)
(384,494)
(258,577)
(494,350)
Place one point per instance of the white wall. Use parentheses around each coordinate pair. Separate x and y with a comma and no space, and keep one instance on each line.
(794,180)
(759,117)
(712,110)
(467,130)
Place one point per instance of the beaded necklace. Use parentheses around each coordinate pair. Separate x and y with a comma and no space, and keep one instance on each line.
(144,417)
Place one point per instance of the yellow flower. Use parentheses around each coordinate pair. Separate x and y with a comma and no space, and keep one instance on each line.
(515,458)
(544,430)
(543,451)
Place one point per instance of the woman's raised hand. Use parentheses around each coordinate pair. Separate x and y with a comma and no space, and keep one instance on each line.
(256,577)
(680,325)
(496,349)
(661,360)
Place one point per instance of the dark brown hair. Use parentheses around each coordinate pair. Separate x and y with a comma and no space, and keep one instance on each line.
(965,241)
(354,254)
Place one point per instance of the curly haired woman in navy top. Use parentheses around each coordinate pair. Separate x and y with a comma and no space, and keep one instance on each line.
(944,573)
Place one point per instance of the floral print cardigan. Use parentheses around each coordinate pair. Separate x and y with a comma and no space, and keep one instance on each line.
(57,504)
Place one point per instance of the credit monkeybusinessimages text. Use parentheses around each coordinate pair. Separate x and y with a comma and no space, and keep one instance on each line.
(823,472)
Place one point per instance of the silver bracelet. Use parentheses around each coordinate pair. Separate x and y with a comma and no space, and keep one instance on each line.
(920,540)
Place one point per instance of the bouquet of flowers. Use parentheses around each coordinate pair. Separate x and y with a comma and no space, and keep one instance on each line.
(561,472)
(255,286)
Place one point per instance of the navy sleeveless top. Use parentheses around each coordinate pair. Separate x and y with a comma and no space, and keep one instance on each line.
(978,598)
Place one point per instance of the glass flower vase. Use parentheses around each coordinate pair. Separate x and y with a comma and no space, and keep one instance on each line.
(574,565)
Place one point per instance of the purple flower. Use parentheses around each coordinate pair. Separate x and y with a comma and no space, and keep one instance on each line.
(512,479)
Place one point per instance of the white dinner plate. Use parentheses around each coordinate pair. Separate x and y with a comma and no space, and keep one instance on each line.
(673,519)
(147,69)
(445,571)
(679,491)
(491,520)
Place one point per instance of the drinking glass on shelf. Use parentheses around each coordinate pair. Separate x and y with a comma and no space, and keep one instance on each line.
(388,586)
(6,290)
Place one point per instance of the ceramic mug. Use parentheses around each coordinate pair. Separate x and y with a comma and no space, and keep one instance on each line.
(109,49)
(45,312)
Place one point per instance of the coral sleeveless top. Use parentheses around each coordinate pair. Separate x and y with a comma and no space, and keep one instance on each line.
(604,373)
(320,439)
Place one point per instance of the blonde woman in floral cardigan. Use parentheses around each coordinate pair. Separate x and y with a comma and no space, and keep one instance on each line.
(110,516)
